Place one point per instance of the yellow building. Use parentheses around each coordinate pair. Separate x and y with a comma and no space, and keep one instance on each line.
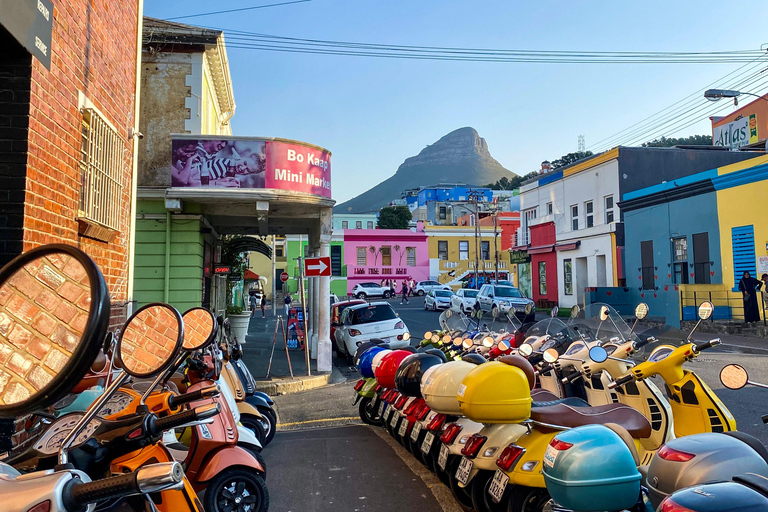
(452,251)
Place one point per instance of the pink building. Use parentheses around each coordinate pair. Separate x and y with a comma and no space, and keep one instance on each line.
(376,255)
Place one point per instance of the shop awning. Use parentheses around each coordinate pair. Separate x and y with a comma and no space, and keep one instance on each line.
(568,247)
(541,249)
(250,275)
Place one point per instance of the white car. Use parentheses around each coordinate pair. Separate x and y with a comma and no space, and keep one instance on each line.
(424,287)
(365,290)
(464,300)
(438,299)
(364,322)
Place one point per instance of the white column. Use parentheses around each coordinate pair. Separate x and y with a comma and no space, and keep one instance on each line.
(317,305)
(324,357)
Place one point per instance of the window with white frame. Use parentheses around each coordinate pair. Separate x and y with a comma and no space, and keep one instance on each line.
(362,256)
(589,212)
(574,217)
(410,256)
(463,250)
(608,209)
(549,209)
(101,166)
(344,224)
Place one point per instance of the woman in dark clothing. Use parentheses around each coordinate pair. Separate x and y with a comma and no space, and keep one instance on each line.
(749,286)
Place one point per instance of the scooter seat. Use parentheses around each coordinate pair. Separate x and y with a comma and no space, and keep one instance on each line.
(756,482)
(569,416)
(751,441)
(542,395)
(573,401)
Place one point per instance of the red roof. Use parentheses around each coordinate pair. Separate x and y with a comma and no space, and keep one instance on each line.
(250,275)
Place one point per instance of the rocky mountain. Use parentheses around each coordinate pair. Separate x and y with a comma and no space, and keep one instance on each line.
(462,156)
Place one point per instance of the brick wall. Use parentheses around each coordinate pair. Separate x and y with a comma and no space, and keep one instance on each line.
(93,52)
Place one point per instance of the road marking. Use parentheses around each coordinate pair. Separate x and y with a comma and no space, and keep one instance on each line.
(442,494)
(341,418)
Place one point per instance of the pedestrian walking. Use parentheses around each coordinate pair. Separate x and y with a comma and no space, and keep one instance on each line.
(287,302)
(764,277)
(404,300)
(392,291)
(411,286)
(252,303)
(263,306)
(749,286)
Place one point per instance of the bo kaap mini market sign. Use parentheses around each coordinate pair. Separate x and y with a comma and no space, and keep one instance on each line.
(229,162)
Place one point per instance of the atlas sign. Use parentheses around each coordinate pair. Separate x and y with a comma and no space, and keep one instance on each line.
(317,267)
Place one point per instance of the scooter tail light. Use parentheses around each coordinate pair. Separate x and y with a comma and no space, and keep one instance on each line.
(422,412)
(668,505)
(45,506)
(436,423)
(377,388)
(560,445)
(411,409)
(510,456)
(474,443)
(401,402)
(450,433)
(359,385)
(673,455)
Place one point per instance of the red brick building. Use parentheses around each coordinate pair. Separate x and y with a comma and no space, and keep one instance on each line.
(67,119)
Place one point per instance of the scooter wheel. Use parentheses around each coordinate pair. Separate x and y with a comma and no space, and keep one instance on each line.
(462,494)
(246,484)
(481,500)
(270,415)
(367,414)
(252,422)
(527,499)
(259,457)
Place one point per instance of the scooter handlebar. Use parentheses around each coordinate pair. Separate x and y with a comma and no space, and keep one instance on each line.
(621,381)
(709,344)
(206,392)
(641,343)
(572,377)
(157,426)
(150,478)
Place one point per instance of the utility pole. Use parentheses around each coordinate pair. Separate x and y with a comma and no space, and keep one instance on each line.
(474,195)
(495,248)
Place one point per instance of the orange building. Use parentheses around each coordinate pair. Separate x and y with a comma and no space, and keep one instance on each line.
(745,126)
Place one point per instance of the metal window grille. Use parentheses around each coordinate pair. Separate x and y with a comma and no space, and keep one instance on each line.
(362,257)
(411,256)
(101,166)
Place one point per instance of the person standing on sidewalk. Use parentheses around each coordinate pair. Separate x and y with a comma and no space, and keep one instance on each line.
(404,290)
(252,302)
(287,302)
(264,306)
(749,287)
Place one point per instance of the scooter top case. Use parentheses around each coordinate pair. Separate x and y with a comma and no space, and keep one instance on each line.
(408,376)
(385,373)
(495,392)
(591,469)
(747,493)
(366,360)
(440,383)
(699,458)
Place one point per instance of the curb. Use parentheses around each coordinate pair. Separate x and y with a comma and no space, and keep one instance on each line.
(284,386)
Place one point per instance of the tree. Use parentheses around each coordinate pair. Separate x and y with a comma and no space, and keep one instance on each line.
(570,158)
(394,217)
(232,257)
(693,140)
(510,183)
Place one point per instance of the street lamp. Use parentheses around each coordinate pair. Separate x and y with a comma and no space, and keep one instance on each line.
(718,94)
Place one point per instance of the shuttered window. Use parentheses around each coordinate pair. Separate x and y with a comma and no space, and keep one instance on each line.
(335,260)
(701,266)
(743,244)
(646,257)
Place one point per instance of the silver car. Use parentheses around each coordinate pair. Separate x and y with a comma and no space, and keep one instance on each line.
(438,299)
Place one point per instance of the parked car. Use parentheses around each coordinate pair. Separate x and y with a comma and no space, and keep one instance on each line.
(424,287)
(438,299)
(505,298)
(464,300)
(364,290)
(337,309)
(363,322)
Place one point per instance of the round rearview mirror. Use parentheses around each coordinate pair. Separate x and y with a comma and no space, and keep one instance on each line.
(551,355)
(448,313)
(457,342)
(406,336)
(641,311)
(447,338)
(528,308)
(503,345)
(598,354)
(467,343)
(54,313)
(428,335)
(706,309)
(604,311)
(487,342)
(734,376)
(479,314)
(495,312)
(525,350)
(150,340)
(575,310)
(554,311)
(199,328)
(435,338)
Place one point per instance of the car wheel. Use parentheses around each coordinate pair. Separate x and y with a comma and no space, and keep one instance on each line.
(386,295)
(421,293)
(434,306)
(425,306)
(349,357)
(360,295)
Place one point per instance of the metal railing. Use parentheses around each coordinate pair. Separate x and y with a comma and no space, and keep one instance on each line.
(728,305)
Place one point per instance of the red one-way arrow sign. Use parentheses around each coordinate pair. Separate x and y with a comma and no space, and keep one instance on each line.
(317,267)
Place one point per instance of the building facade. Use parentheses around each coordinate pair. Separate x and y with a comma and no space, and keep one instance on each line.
(343,221)
(67,143)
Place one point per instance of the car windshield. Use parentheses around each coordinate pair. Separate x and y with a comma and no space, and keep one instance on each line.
(372,313)
(470,293)
(507,291)
(443,293)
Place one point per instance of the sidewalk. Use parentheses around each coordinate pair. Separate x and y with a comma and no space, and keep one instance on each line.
(256,352)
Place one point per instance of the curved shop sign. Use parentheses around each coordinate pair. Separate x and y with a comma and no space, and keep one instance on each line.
(229,162)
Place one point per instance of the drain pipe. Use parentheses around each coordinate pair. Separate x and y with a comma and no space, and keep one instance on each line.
(167,284)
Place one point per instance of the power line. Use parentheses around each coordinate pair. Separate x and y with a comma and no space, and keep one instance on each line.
(237,10)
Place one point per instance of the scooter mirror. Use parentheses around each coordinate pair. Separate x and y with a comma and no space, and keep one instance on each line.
(554,311)
(525,350)
(448,313)
(479,314)
(54,312)
(734,376)
(428,335)
(199,328)
(705,310)
(467,343)
(604,311)
(457,341)
(150,340)
(503,345)
(528,308)
(406,336)
(551,355)
(598,354)
(495,312)
(487,342)
(446,339)
(575,310)
(641,311)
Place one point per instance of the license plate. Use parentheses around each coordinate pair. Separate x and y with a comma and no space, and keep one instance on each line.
(381,408)
(388,414)
(498,484)
(415,431)
(442,459)
(395,418)
(403,427)
(462,474)
(550,456)
(426,446)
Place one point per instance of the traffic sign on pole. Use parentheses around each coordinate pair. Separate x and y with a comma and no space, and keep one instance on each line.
(317,267)
(284,276)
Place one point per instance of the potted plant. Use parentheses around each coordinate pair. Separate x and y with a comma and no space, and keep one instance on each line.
(238,320)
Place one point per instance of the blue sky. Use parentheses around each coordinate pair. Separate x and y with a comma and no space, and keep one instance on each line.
(373,113)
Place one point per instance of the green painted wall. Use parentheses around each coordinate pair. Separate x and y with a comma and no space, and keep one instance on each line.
(186,266)
(292,251)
